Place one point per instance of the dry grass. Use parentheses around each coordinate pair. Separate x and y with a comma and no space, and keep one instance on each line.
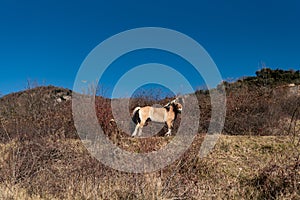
(240,167)
(42,158)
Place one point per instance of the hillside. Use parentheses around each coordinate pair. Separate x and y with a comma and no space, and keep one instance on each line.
(40,112)
(257,157)
(267,108)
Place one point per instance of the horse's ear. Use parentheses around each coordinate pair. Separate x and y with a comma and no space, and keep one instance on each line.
(173,101)
(167,106)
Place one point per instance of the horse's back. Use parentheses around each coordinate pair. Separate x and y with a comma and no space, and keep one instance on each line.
(158,114)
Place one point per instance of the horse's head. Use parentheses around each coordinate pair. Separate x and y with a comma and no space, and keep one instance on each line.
(177,107)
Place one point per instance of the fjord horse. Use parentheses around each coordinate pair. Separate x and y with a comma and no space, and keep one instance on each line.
(167,115)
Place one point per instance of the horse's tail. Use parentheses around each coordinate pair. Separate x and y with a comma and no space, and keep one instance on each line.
(135,115)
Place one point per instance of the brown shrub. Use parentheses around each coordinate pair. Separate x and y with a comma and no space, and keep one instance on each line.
(275,180)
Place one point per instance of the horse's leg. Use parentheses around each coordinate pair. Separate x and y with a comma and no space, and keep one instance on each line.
(141,128)
(135,130)
(169,123)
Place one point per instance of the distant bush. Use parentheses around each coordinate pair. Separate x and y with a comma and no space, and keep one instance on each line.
(267,77)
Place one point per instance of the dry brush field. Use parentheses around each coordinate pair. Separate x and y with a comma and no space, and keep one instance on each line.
(256,157)
(240,167)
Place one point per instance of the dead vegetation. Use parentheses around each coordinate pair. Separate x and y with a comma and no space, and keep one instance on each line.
(258,156)
(240,167)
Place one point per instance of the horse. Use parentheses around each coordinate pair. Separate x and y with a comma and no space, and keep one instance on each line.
(166,114)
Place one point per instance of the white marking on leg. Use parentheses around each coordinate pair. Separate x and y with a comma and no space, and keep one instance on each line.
(169,132)
(140,131)
(135,130)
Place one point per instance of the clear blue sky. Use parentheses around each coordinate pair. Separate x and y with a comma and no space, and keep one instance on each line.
(48,40)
